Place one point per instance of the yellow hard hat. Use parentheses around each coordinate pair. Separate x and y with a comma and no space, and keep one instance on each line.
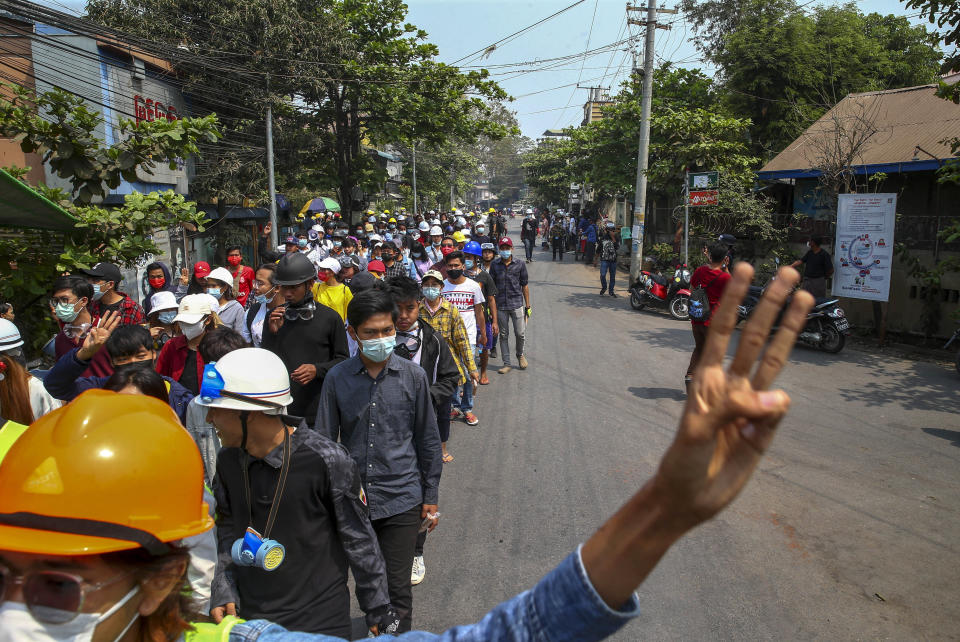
(392,220)
(107,472)
(459,237)
(491,211)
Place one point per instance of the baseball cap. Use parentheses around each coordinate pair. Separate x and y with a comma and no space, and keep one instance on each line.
(349,260)
(433,274)
(290,240)
(362,281)
(331,264)
(376,266)
(194,307)
(506,242)
(105,271)
(201,269)
(368,227)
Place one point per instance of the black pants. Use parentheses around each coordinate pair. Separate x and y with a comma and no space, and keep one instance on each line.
(589,249)
(558,247)
(397,535)
(443,421)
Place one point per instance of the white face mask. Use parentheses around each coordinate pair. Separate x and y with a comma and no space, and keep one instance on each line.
(18,625)
(192,330)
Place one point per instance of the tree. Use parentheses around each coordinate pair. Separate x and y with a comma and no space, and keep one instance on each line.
(783,68)
(439,166)
(548,172)
(63,136)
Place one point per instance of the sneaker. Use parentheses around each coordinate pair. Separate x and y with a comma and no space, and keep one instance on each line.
(613,295)
(504,369)
(522,361)
(602,292)
(471,419)
(418,570)
(493,353)
(455,413)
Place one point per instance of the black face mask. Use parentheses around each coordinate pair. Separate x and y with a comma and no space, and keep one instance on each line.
(454,274)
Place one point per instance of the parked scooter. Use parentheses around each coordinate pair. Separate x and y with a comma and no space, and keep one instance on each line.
(654,290)
(826,328)
(956,335)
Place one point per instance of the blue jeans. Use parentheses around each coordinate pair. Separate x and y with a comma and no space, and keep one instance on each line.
(610,266)
(528,248)
(463,397)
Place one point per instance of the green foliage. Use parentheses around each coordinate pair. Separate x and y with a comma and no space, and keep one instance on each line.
(64,136)
(663,253)
(783,68)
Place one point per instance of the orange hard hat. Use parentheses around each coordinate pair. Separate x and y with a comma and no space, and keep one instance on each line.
(107,472)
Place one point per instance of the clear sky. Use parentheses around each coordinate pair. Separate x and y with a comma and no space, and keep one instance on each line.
(549,98)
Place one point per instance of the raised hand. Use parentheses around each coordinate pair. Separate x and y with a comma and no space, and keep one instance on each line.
(184,276)
(730,416)
(97,335)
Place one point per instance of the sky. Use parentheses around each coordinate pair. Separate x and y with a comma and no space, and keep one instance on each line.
(549,98)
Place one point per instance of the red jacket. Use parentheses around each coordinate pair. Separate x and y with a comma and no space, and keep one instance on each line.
(100,365)
(173,357)
(244,277)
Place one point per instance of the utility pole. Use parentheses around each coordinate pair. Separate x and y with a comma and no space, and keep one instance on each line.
(271,186)
(452,204)
(686,217)
(414,179)
(640,195)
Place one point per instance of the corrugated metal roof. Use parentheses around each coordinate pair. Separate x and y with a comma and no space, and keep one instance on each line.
(901,119)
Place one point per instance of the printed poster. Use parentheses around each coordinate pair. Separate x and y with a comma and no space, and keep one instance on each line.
(863,255)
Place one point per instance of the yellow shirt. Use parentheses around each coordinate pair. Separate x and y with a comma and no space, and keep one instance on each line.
(337,297)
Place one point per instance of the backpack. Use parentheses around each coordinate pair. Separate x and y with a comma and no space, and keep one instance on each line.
(700,303)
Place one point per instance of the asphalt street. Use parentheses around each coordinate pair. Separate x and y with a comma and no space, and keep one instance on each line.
(848,531)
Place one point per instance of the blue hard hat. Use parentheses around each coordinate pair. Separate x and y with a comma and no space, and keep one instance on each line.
(472,248)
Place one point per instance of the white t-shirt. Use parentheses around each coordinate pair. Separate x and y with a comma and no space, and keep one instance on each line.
(464,296)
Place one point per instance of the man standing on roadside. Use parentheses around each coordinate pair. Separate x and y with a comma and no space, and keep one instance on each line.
(378,405)
(817,268)
(713,279)
(590,247)
(513,302)
(105,278)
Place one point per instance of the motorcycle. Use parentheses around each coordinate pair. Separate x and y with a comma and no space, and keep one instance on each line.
(956,335)
(826,327)
(653,289)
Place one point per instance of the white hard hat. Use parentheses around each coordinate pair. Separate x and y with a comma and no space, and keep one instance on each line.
(9,336)
(221,274)
(374,237)
(163,300)
(253,373)
(432,212)
(424,226)
(194,307)
(461,220)
(436,231)
(529,211)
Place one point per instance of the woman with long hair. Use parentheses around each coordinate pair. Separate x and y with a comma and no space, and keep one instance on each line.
(23,399)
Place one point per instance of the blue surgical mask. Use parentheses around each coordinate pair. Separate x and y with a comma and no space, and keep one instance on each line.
(378,350)
(214,292)
(432,294)
(66,312)
(506,254)
(468,264)
(97,293)
(337,243)
(481,229)
(166,317)
(302,242)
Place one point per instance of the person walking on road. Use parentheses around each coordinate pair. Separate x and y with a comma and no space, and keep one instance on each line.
(818,267)
(467,296)
(713,279)
(513,303)
(609,245)
(558,238)
(590,247)
(528,234)
(380,398)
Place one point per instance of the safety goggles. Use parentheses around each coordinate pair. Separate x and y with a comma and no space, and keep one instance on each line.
(303,313)
(212,387)
(52,597)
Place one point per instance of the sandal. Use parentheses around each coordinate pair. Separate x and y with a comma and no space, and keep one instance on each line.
(447,458)
(484,380)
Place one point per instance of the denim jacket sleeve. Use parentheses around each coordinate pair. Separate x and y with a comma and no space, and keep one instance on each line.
(562,607)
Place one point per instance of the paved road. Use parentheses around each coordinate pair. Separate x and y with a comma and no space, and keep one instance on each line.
(848,531)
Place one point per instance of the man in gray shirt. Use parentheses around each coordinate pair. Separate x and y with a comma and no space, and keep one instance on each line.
(378,405)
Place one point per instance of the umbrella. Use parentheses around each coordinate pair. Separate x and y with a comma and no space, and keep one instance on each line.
(319,205)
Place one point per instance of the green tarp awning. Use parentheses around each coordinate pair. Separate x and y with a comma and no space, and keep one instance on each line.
(21,206)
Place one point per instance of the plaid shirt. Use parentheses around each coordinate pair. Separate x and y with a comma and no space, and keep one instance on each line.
(446,320)
(130,311)
(397,269)
(510,281)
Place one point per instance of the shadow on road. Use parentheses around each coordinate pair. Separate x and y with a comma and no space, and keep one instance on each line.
(595,301)
(658,393)
(679,337)
(953,436)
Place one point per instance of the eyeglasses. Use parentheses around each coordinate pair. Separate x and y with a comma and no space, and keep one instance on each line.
(52,597)
(53,302)
(259,284)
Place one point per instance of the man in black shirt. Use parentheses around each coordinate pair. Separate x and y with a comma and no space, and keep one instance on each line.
(310,338)
(302,495)
(817,268)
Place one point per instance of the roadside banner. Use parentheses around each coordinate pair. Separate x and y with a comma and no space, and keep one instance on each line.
(863,254)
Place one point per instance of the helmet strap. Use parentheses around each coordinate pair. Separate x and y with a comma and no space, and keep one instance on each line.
(244,415)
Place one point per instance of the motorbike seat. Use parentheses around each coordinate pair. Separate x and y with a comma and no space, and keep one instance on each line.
(659,279)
